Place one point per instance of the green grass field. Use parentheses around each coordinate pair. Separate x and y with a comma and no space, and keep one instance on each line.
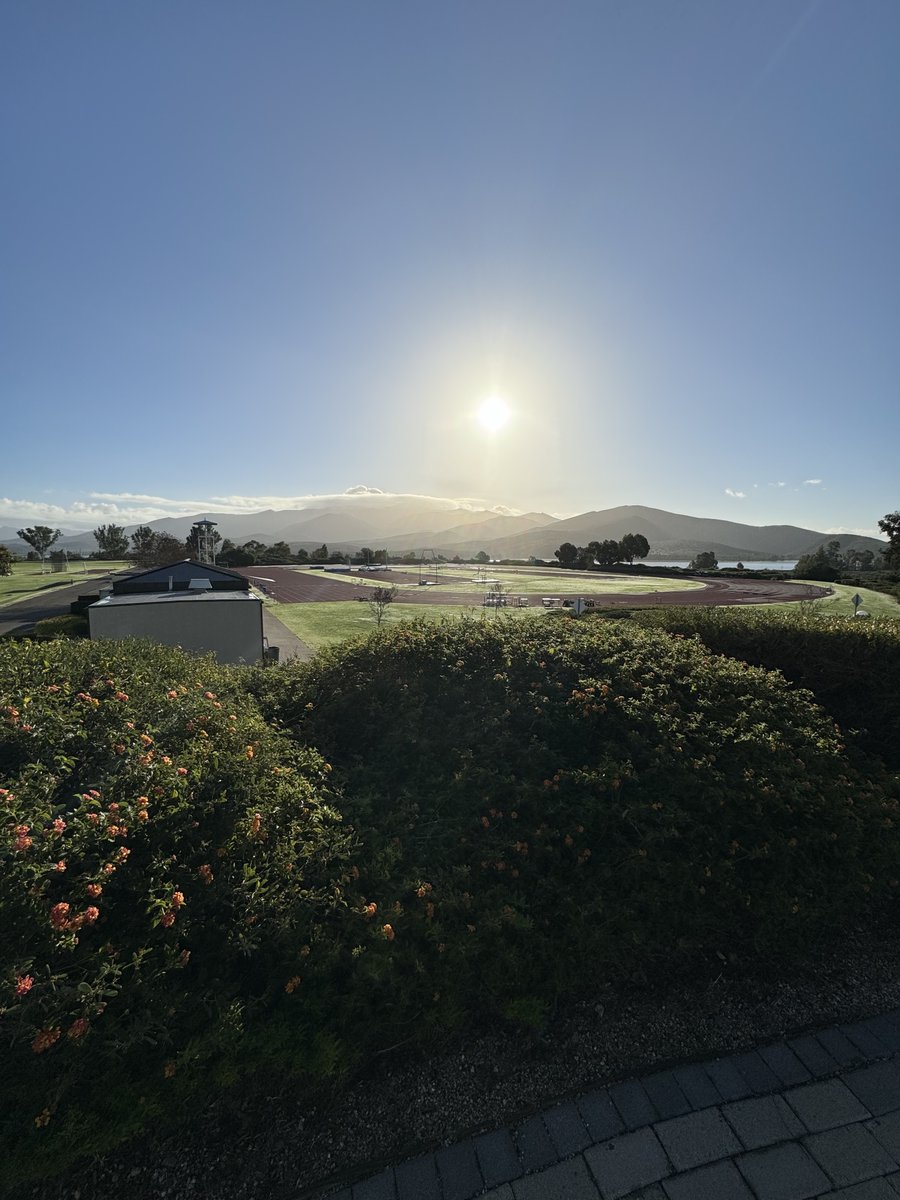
(876,604)
(325,624)
(555,583)
(27,578)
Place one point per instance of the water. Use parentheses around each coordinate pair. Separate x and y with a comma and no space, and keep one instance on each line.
(784,565)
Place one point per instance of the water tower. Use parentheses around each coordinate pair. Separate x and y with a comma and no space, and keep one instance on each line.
(204,538)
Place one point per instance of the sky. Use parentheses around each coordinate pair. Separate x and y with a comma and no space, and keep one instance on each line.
(260,250)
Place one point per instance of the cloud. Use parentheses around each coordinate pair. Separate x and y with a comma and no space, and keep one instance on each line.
(735,495)
(873,533)
(780,483)
(135,508)
(811,482)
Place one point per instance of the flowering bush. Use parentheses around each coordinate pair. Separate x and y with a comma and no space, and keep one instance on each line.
(547,809)
(851,666)
(166,858)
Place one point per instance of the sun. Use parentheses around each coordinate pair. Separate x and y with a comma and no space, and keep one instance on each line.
(493,414)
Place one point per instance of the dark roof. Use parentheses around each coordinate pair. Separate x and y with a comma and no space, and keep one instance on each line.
(156,579)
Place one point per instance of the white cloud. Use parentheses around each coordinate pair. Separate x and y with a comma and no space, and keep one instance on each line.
(133,508)
(735,495)
(780,483)
(812,482)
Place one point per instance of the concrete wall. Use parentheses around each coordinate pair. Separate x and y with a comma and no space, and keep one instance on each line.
(231,629)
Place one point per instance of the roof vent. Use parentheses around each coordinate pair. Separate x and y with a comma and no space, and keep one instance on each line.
(200,585)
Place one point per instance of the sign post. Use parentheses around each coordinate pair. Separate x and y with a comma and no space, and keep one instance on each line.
(857,601)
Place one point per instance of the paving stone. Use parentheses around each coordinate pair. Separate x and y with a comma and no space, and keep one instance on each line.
(825,1105)
(873,1189)
(877,1086)
(814,1056)
(566,1128)
(344,1195)
(381,1187)
(850,1155)
(894,1181)
(633,1104)
(783,1173)
(458,1168)
(841,1049)
(698,1138)
(728,1080)
(763,1122)
(536,1150)
(762,1079)
(497,1158)
(600,1115)
(785,1063)
(887,1130)
(886,1029)
(650,1193)
(697,1086)
(501,1193)
(418,1179)
(721,1181)
(863,1035)
(665,1095)
(566,1181)
(627,1163)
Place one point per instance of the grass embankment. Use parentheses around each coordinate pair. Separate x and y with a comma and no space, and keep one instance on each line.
(27,578)
(327,624)
(840,603)
(225,878)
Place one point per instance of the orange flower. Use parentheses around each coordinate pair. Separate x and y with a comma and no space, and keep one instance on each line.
(206,873)
(94,818)
(78,1028)
(122,853)
(169,1070)
(388,931)
(43,1118)
(94,890)
(181,771)
(45,1039)
(143,815)
(249,752)
(60,866)
(120,696)
(59,825)
(255,823)
(24,984)
(171,694)
(59,916)
(292,984)
(167,920)
(146,739)
(91,914)
(370,909)
(177,899)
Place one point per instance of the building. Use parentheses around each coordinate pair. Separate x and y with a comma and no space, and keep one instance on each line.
(193,605)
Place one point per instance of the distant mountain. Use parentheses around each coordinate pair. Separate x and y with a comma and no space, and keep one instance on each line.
(673,536)
(401,523)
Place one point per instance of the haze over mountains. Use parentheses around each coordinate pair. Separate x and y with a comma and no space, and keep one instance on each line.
(398,523)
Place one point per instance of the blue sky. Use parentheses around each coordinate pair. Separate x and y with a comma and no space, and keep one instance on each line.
(258,251)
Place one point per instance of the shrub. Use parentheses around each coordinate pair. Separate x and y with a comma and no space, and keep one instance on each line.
(851,667)
(549,808)
(168,861)
(68,625)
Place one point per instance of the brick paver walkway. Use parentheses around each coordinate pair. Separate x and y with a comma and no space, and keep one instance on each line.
(816,1116)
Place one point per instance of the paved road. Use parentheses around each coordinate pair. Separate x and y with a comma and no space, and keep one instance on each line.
(814,1117)
(52,602)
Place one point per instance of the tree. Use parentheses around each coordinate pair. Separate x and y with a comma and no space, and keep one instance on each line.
(6,560)
(890,524)
(280,552)
(379,600)
(482,557)
(632,546)
(142,544)
(606,552)
(567,554)
(366,556)
(817,565)
(704,561)
(40,538)
(112,541)
(320,555)
(192,541)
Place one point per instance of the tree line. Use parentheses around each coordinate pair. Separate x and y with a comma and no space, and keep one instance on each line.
(603,554)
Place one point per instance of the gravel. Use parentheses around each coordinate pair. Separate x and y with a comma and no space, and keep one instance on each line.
(278,1147)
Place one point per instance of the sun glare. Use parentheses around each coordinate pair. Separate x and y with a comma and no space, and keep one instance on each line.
(493,413)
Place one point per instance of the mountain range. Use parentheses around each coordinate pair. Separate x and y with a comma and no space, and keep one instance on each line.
(416,523)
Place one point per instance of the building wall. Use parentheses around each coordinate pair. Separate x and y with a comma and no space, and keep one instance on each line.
(232,630)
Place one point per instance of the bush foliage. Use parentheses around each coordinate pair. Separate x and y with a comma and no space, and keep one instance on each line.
(215,874)
(851,667)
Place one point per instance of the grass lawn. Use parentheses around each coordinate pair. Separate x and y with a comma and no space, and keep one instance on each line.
(556,583)
(26,578)
(326,624)
(876,604)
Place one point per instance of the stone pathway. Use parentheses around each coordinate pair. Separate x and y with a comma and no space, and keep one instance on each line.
(816,1116)
(277,634)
